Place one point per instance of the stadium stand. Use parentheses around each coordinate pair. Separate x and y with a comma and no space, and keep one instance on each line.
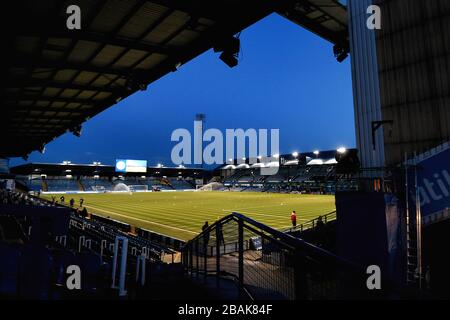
(180,184)
(96,184)
(37,261)
(56,184)
(304,173)
(102,178)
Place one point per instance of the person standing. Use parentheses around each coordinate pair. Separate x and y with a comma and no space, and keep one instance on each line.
(294,218)
(205,230)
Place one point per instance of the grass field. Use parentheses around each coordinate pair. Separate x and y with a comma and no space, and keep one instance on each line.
(182,214)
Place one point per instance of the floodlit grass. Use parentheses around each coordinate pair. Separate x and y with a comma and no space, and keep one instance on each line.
(182,214)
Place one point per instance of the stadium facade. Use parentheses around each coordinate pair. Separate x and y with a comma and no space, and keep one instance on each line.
(400,79)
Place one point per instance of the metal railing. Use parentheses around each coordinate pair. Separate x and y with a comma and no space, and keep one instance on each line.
(269,264)
(311,224)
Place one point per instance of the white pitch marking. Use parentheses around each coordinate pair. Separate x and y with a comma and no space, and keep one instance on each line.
(143,220)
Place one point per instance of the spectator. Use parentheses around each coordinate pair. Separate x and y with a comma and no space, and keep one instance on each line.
(62,199)
(72,202)
(206,234)
(294,218)
(220,238)
(320,223)
(81,202)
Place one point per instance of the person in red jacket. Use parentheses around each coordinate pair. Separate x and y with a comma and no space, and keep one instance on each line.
(294,218)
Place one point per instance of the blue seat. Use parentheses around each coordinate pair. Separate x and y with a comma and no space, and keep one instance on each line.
(9,269)
(90,264)
(35,271)
(61,260)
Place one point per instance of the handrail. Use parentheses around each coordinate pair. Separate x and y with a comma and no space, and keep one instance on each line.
(293,242)
(304,225)
(249,251)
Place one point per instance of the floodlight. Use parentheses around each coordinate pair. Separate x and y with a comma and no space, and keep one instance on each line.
(230,47)
(76,130)
(230,59)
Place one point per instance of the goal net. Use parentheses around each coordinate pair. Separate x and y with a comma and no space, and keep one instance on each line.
(138,188)
(213,186)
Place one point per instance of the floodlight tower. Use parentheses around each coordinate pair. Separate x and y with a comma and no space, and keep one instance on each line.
(198,138)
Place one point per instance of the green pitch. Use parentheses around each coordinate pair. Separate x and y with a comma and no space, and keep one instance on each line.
(182,214)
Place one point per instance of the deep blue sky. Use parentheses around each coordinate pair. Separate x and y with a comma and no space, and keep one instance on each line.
(287,78)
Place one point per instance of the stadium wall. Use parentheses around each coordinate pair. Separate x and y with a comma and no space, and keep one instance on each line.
(413,51)
(366,90)
(400,75)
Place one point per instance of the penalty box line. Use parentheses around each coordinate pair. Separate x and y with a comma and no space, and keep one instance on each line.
(260,214)
(142,220)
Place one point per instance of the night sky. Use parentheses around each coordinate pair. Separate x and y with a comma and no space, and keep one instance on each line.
(287,78)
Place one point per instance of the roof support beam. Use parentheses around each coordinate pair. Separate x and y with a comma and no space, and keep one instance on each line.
(8,99)
(24,62)
(97,38)
(33,83)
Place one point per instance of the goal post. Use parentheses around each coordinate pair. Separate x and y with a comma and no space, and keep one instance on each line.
(138,188)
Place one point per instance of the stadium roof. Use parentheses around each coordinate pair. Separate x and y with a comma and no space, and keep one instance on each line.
(54,79)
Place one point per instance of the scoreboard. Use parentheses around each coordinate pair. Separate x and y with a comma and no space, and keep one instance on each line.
(127,165)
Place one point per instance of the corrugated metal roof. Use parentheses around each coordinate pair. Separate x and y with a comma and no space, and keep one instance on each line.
(54,79)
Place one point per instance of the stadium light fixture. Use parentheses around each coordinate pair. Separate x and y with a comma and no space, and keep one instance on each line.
(341,150)
(276,156)
(259,157)
(295,154)
(229,59)
(316,152)
(230,48)
(243,158)
(76,130)
(340,52)
(341,57)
